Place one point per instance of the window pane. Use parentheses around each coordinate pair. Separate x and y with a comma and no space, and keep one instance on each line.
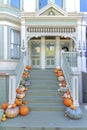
(15,3)
(59,3)
(43,3)
(83,5)
(15,44)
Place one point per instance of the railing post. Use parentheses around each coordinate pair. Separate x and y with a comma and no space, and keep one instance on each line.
(12,89)
(74,87)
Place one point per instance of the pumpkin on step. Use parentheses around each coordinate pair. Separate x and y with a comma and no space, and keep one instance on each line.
(24,110)
(12,112)
(67,102)
(61,78)
(18,90)
(28,67)
(60,73)
(4,105)
(20,95)
(18,102)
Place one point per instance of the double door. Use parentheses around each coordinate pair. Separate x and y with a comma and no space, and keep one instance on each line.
(49,54)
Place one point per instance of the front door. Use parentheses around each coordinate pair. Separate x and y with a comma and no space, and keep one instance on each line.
(50,54)
(35,54)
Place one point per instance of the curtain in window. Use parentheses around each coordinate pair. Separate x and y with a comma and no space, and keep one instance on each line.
(15,44)
(15,3)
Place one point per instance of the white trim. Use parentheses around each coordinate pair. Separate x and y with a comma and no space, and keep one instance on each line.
(12,89)
(7,23)
(5,42)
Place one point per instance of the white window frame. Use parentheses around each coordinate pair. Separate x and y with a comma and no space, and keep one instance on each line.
(15,44)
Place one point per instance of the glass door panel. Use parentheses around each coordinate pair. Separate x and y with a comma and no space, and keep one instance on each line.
(35,54)
(50,54)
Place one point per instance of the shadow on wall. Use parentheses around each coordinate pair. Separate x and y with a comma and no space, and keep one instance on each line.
(84,84)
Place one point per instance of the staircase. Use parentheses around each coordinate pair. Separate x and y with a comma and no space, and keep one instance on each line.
(46,106)
(43,95)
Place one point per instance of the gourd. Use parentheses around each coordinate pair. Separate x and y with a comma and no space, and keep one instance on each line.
(18,102)
(3,119)
(60,73)
(14,105)
(23,82)
(24,110)
(28,67)
(18,90)
(61,78)
(67,102)
(4,105)
(73,107)
(12,112)
(22,95)
(63,83)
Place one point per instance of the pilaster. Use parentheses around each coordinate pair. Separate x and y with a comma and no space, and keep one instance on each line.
(43,52)
(58,54)
(5,42)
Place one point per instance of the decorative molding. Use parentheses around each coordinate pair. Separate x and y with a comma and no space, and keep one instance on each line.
(51,29)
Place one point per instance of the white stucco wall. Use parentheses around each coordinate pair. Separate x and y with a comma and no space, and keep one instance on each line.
(29,5)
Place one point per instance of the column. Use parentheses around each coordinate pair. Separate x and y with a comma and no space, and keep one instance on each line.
(21,5)
(43,52)
(5,1)
(58,51)
(75,91)
(12,89)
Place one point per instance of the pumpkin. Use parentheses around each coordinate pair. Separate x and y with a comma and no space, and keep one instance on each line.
(55,71)
(4,105)
(23,82)
(12,112)
(22,95)
(73,114)
(14,105)
(67,102)
(61,78)
(60,73)
(22,88)
(3,119)
(59,68)
(18,90)
(24,110)
(28,67)
(18,102)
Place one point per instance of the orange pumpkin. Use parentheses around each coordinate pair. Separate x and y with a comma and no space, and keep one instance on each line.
(18,102)
(60,73)
(67,102)
(14,105)
(18,90)
(55,71)
(24,110)
(4,105)
(28,67)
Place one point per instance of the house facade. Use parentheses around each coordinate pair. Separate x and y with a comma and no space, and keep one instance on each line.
(39,33)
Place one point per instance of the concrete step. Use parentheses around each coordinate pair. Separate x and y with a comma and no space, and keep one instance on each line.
(42,93)
(44,99)
(46,107)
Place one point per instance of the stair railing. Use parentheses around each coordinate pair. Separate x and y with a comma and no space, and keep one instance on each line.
(69,64)
(19,70)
